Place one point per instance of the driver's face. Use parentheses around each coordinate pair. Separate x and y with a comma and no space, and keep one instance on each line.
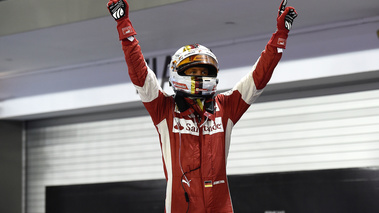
(196,71)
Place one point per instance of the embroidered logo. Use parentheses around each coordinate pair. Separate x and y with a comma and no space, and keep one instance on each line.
(126,30)
(187,182)
(189,127)
(218,182)
(282,41)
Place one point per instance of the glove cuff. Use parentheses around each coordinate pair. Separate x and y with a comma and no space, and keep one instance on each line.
(279,39)
(125,28)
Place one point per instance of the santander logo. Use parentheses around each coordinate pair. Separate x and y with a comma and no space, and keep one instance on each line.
(189,127)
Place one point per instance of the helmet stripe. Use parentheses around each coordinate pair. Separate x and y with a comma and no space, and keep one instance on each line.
(199,86)
(193,85)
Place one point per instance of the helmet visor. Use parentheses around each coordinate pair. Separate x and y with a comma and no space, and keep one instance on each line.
(198,60)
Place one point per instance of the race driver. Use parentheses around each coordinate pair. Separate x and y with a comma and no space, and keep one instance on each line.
(195,124)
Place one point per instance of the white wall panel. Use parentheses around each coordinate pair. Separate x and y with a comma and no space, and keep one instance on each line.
(90,152)
(327,132)
(337,131)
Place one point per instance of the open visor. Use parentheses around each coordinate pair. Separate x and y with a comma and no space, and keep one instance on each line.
(198,60)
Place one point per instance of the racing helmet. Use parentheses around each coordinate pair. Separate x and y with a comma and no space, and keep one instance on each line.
(193,86)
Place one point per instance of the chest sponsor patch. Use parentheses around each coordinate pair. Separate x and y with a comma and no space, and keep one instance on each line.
(185,126)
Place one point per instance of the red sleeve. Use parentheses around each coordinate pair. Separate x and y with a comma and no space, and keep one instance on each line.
(265,66)
(136,62)
(155,100)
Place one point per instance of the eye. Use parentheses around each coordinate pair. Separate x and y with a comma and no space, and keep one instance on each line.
(204,72)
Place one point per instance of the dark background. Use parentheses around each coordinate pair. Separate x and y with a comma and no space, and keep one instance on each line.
(11,166)
(323,191)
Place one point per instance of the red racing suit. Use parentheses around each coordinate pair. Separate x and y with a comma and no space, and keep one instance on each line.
(195,148)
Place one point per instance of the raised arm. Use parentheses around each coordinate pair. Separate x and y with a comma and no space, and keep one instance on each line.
(140,74)
(248,89)
(137,68)
(273,51)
